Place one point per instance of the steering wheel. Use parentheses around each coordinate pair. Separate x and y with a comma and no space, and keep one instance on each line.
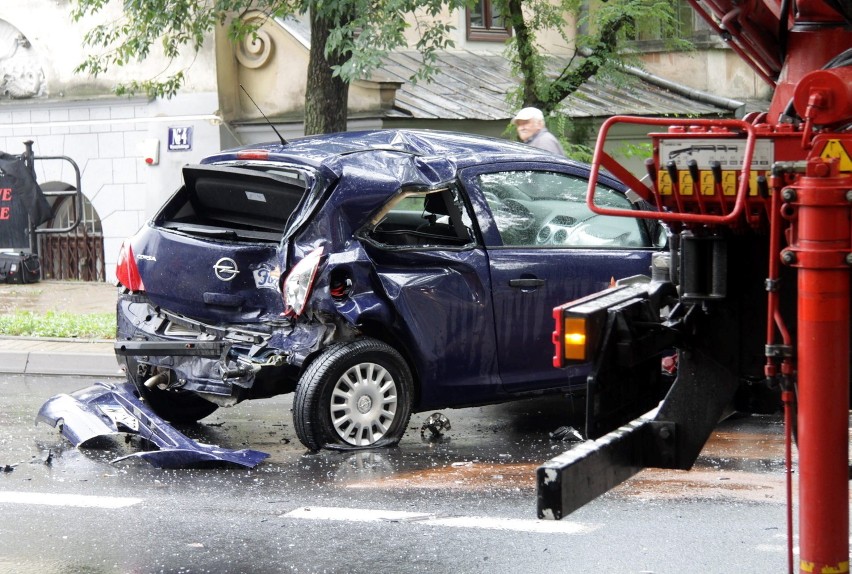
(522,218)
(508,191)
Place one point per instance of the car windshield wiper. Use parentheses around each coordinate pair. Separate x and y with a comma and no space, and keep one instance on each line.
(202,230)
(223,232)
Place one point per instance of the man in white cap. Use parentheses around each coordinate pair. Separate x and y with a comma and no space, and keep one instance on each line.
(530,125)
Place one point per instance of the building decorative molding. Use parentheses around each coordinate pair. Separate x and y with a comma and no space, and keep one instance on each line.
(256,49)
(21,74)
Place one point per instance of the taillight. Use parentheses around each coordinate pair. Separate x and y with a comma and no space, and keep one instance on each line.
(253,154)
(299,282)
(126,270)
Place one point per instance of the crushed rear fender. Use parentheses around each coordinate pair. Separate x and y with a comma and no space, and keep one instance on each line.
(105,409)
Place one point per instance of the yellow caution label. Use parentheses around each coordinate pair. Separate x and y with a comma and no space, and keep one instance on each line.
(834,148)
(752,183)
(840,568)
(664,183)
(729,182)
(684,183)
(708,184)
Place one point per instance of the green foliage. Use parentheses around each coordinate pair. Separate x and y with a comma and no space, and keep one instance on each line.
(601,31)
(569,136)
(362,31)
(58,324)
(640,150)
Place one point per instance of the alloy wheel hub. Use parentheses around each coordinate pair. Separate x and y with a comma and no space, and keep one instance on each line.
(364,404)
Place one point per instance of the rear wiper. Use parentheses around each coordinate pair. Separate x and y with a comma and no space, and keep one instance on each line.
(208,231)
(222,232)
(200,229)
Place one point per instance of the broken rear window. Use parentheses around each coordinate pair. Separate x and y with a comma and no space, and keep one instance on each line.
(233,203)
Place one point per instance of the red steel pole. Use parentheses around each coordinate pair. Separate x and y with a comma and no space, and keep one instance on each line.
(820,249)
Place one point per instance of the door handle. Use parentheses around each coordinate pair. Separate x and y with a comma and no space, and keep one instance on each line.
(526,283)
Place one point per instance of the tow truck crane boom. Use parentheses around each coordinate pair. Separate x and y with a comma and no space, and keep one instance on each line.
(760,244)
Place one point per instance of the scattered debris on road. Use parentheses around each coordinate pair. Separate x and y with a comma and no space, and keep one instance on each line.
(105,409)
(436,424)
(566,434)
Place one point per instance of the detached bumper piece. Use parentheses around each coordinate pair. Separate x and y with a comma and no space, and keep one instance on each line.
(105,409)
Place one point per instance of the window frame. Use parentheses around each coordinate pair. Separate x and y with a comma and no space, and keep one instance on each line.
(494,237)
(488,33)
(463,219)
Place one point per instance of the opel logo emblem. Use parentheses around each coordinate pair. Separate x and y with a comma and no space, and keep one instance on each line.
(226,269)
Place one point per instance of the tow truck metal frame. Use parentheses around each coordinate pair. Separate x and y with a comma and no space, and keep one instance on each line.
(806,199)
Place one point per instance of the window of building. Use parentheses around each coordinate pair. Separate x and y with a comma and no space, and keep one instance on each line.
(484,22)
(688,26)
(650,35)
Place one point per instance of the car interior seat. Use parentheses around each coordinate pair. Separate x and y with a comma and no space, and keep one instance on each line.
(437,216)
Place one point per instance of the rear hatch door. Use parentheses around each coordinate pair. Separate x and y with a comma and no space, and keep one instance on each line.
(213,250)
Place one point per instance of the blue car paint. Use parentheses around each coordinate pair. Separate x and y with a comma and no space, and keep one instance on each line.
(189,278)
(446,323)
(447,310)
(105,409)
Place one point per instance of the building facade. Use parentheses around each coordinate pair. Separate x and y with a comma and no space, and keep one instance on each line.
(130,150)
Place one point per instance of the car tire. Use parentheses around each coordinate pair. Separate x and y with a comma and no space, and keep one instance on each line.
(355,394)
(178,407)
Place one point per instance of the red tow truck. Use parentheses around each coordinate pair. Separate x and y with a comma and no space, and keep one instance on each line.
(754,292)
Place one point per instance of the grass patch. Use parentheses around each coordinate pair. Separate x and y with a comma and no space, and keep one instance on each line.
(58,324)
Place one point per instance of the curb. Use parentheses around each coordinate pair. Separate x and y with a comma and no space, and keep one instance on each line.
(58,357)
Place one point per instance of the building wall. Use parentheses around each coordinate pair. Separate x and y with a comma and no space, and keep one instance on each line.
(105,139)
(717,71)
(458,18)
(71,114)
(43,99)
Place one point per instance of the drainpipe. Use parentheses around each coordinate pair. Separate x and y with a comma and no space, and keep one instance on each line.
(719,101)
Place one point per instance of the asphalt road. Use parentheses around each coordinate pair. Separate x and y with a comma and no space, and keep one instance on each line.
(464,504)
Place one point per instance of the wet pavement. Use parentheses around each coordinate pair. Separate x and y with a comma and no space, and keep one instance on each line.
(462,503)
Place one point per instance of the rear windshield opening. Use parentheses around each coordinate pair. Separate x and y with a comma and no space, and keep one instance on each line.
(233,203)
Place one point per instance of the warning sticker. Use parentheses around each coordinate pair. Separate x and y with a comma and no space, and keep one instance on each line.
(835,148)
(730,153)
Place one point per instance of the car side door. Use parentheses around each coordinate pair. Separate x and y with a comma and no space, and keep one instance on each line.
(545,247)
(432,270)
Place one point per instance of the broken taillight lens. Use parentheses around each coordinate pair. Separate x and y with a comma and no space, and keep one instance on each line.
(299,282)
(126,270)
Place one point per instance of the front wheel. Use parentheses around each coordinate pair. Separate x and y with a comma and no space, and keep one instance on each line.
(355,394)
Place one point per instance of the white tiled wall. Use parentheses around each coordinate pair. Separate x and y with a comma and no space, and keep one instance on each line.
(102,137)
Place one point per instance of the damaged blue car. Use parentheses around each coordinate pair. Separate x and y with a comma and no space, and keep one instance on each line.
(374,274)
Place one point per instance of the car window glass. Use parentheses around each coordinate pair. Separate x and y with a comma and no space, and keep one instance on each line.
(423,219)
(548,209)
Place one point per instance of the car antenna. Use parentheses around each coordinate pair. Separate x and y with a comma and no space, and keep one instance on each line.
(283,141)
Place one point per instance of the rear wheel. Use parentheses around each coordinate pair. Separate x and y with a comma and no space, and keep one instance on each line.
(179,407)
(355,394)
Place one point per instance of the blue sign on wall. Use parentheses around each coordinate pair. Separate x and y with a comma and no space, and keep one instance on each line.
(180,139)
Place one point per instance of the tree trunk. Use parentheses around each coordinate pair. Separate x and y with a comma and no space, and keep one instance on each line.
(326,97)
(571,78)
(526,55)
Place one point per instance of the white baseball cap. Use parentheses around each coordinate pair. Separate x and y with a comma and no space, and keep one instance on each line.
(528,114)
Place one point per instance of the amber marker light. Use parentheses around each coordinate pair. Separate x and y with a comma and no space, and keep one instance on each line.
(574,339)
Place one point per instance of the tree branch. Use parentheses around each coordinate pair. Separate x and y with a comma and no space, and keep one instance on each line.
(570,80)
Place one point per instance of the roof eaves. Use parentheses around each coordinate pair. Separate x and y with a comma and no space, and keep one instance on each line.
(469,85)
